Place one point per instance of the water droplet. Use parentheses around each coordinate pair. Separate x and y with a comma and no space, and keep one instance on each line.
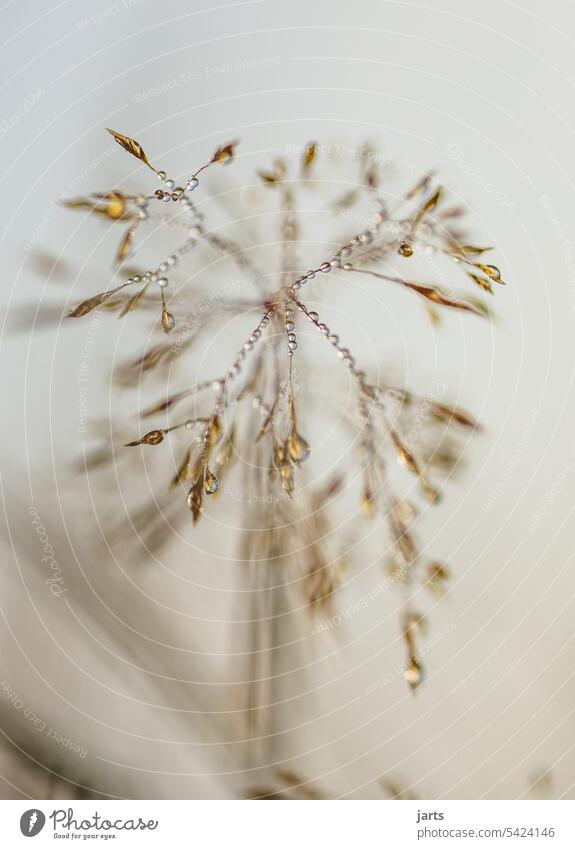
(168,321)
(413,672)
(405,248)
(493,272)
(211,483)
(298,448)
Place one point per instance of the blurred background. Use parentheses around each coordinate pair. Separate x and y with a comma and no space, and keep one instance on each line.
(120,684)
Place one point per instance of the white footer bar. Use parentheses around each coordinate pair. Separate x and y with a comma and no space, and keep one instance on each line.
(289,824)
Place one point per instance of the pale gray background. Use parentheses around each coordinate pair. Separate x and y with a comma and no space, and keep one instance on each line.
(496,78)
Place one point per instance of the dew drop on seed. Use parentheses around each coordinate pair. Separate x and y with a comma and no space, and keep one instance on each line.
(211,483)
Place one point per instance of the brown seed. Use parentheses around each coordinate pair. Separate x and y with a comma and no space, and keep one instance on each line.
(153,437)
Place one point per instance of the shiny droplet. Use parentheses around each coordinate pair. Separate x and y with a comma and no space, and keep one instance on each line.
(405,248)
(493,272)
(298,448)
(211,483)
(413,673)
(168,321)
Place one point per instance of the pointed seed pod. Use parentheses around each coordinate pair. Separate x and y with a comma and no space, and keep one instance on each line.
(195,499)
(153,437)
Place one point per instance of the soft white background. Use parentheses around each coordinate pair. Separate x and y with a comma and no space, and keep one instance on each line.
(496,78)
